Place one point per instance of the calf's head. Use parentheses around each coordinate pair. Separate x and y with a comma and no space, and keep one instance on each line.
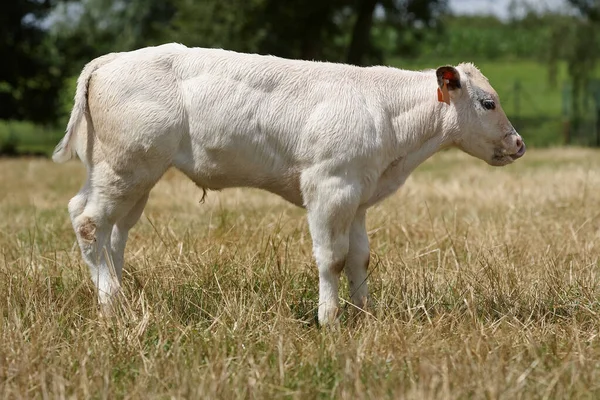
(483,130)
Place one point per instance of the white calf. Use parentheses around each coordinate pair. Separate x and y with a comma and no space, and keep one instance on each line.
(332,138)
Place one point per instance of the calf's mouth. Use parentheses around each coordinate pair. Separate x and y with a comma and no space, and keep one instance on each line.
(519,153)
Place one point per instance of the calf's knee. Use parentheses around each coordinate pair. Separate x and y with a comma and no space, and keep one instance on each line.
(85,229)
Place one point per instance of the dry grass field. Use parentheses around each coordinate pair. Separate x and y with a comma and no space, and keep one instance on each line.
(484,282)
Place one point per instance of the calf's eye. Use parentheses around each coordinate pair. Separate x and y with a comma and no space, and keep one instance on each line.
(488,104)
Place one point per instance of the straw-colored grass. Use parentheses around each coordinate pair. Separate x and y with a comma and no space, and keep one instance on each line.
(484,282)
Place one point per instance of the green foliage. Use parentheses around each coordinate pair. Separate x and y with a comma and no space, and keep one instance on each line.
(30,71)
(8,144)
(415,22)
(575,40)
(293,29)
(95,27)
(588,8)
(306,29)
(26,138)
(491,39)
(66,100)
(233,24)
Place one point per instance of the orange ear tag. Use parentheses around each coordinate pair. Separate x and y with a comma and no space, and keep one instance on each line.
(444,94)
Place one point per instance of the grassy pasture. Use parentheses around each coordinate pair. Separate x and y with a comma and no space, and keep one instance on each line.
(484,282)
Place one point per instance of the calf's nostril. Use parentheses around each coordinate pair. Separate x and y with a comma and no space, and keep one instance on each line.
(519,143)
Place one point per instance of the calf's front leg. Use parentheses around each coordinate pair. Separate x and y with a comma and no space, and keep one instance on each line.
(331,210)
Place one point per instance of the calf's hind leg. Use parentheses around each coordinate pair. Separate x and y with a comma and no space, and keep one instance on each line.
(113,203)
(120,233)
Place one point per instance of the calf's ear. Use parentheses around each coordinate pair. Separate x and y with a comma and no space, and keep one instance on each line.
(448,79)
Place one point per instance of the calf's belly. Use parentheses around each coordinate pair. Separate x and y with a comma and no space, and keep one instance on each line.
(215,170)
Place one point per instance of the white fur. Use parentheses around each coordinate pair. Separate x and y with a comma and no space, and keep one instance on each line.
(332,138)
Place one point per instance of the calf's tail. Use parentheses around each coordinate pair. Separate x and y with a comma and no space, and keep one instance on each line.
(65,150)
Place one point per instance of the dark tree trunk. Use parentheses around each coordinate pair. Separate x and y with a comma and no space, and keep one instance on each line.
(310,45)
(310,48)
(360,42)
(316,22)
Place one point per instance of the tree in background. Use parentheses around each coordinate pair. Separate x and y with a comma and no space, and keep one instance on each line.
(583,55)
(30,70)
(44,41)
(295,29)
(413,22)
(334,30)
(88,28)
(576,40)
